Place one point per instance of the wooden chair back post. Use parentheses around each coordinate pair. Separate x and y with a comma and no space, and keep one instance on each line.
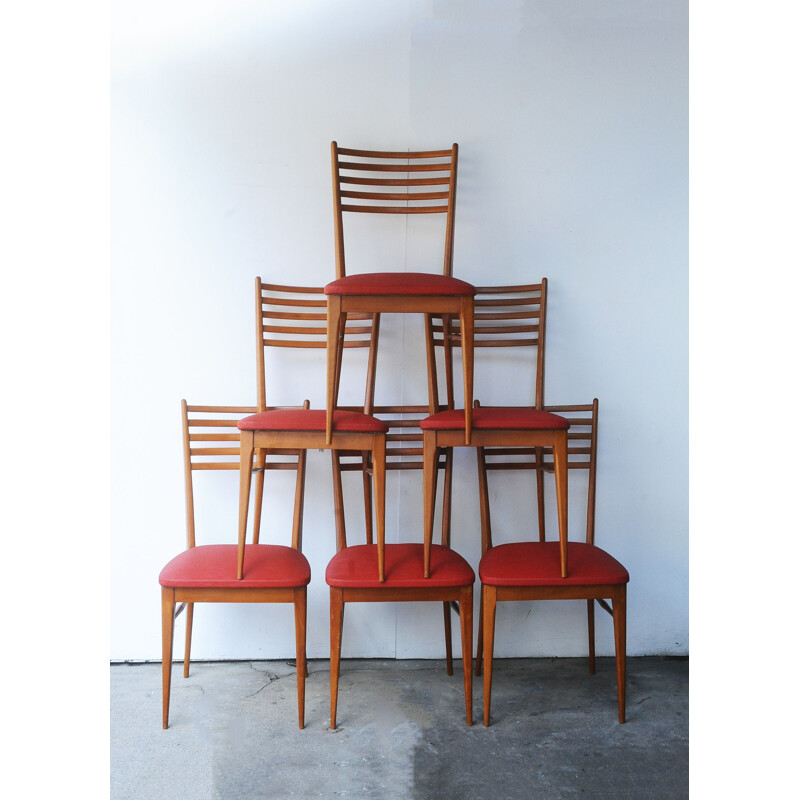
(386,182)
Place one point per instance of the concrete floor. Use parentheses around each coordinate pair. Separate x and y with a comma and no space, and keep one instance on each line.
(402,733)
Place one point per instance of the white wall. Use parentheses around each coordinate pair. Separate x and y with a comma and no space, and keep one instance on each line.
(572,122)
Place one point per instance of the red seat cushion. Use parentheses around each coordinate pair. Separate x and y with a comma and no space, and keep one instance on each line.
(307,419)
(400,283)
(496,418)
(357,566)
(214,566)
(539,564)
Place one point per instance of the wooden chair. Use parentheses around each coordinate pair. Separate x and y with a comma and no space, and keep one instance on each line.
(293,317)
(382,182)
(506,316)
(208,573)
(352,578)
(530,570)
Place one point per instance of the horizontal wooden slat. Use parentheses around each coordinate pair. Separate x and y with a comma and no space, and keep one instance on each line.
(349,151)
(396,209)
(367,166)
(410,196)
(275,300)
(429,180)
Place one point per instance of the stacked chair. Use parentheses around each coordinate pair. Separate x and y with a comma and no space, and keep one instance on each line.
(375,439)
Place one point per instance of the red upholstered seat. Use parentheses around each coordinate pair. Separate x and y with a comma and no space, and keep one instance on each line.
(539,564)
(306,419)
(400,283)
(496,418)
(214,566)
(357,566)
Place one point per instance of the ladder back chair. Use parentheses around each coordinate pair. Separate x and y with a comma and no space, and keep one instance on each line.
(294,317)
(530,570)
(387,182)
(506,316)
(208,573)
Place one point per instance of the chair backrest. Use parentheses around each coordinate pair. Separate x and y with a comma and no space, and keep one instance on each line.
(505,316)
(295,317)
(581,455)
(210,442)
(387,182)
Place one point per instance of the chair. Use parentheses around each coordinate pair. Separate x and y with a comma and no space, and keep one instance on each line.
(382,182)
(208,573)
(352,578)
(506,316)
(294,317)
(530,570)
(291,317)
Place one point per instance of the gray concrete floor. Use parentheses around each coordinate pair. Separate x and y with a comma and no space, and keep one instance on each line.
(402,733)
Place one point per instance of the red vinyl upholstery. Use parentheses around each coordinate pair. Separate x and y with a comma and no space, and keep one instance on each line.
(400,283)
(539,564)
(357,566)
(214,566)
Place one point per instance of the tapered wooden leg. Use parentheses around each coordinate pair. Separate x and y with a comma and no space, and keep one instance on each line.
(479,646)
(465,613)
(334,304)
(258,498)
(300,648)
(167,628)
(619,646)
(483,497)
(489,610)
(560,469)
(187,650)
(448,637)
(379,478)
(299,500)
(245,467)
(429,458)
(590,625)
(540,495)
(467,328)
(337,619)
(366,481)
(338,502)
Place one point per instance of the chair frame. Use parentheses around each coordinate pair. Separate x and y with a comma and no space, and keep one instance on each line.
(601,593)
(171,596)
(416,202)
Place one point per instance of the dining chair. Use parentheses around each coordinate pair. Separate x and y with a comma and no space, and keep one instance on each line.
(530,570)
(351,573)
(293,317)
(208,573)
(405,183)
(511,316)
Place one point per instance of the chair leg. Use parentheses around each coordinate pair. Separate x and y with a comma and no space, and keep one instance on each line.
(300,604)
(489,610)
(188,648)
(619,646)
(590,621)
(448,637)
(258,498)
(167,628)
(334,323)
(337,619)
(560,469)
(479,647)
(367,487)
(299,500)
(338,502)
(245,470)
(465,613)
